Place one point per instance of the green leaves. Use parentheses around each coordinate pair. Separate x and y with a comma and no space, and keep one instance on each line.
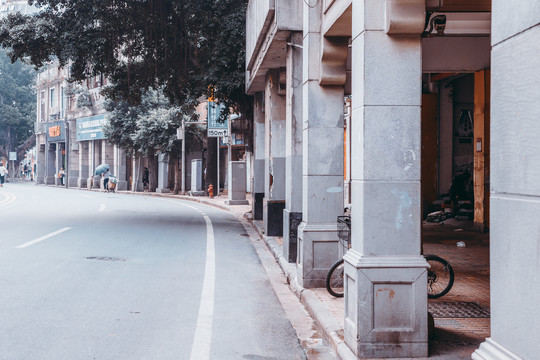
(149,127)
(17,103)
(181,46)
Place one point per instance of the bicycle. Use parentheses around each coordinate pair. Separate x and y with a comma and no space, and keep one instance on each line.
(440,276)
(334,277)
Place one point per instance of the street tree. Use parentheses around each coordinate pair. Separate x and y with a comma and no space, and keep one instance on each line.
(150,128)
(181,46)
(17,106)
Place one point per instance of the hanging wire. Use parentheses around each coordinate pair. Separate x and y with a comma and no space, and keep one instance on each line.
(311,6)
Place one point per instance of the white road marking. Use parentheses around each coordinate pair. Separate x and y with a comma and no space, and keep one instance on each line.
(42,238)
(102,207)
(200,349)
(9,198)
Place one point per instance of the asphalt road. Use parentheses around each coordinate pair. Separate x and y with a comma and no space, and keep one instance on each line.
(89,275)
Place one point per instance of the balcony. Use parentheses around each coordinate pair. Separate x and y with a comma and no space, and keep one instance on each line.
(269,24)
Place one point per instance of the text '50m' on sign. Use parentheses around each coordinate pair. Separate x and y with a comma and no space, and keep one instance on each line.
(218,132)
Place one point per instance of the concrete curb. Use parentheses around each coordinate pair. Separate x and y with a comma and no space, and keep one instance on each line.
(318,311)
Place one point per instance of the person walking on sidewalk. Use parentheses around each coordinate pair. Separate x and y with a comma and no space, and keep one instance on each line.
(61,175)
(106,180)
(3,173)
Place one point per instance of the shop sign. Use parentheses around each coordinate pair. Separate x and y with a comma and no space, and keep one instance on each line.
(215,128)
(56,131)
(91,128)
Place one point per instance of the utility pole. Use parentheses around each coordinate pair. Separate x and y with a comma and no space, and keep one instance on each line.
(183,156)
(66,170)
(217,187)
(229,141)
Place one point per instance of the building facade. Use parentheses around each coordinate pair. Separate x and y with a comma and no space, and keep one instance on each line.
(69,132)
(69,136)
(398,108)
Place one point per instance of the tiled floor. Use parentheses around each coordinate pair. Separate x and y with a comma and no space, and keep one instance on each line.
(453,338)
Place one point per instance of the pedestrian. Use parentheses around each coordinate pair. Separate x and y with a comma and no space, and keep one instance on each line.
(106,180)
(3,173)
(146,175)
(61,175)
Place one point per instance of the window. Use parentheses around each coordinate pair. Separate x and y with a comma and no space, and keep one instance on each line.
(42,105)
(53,99)
(62,102)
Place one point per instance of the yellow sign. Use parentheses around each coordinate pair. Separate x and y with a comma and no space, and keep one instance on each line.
(211,95)
(54,131)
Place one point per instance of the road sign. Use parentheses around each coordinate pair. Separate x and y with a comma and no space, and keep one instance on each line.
(215,128)
(91,128)
(12,156)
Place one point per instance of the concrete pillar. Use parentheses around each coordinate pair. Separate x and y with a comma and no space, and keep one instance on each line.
(84,168)
(292,214)
(72,171)
(446,137)
(120,168)
(258,156)
(58,162)
(137,177)
(248,171)
(50,163)
(274,170)
(163,173)
(41,152)
(91,163)
(322,186)
(107,157)
(385,275)
(515,190)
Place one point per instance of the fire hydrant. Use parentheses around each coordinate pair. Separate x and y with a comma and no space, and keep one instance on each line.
(211,191)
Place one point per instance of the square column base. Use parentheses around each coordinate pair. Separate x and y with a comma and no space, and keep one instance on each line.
(273,217)
(291,221)
(81,182)
(318,250)
(163,191)
(72,182)
(121,185)
(236,202)
(490,350)
(258,206)
(386,312)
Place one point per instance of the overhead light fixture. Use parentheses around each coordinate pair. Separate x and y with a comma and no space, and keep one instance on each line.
(459,24)
(438,23)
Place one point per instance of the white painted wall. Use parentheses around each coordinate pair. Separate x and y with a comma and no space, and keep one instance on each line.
(515,188)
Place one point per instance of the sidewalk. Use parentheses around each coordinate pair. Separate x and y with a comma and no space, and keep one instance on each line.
(461,317)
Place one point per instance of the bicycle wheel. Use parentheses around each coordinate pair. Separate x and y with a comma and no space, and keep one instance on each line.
(440,276)
(334,279)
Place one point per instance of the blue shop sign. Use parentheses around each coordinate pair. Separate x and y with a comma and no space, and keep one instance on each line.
(91,128)
(216,128)
(56,131)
